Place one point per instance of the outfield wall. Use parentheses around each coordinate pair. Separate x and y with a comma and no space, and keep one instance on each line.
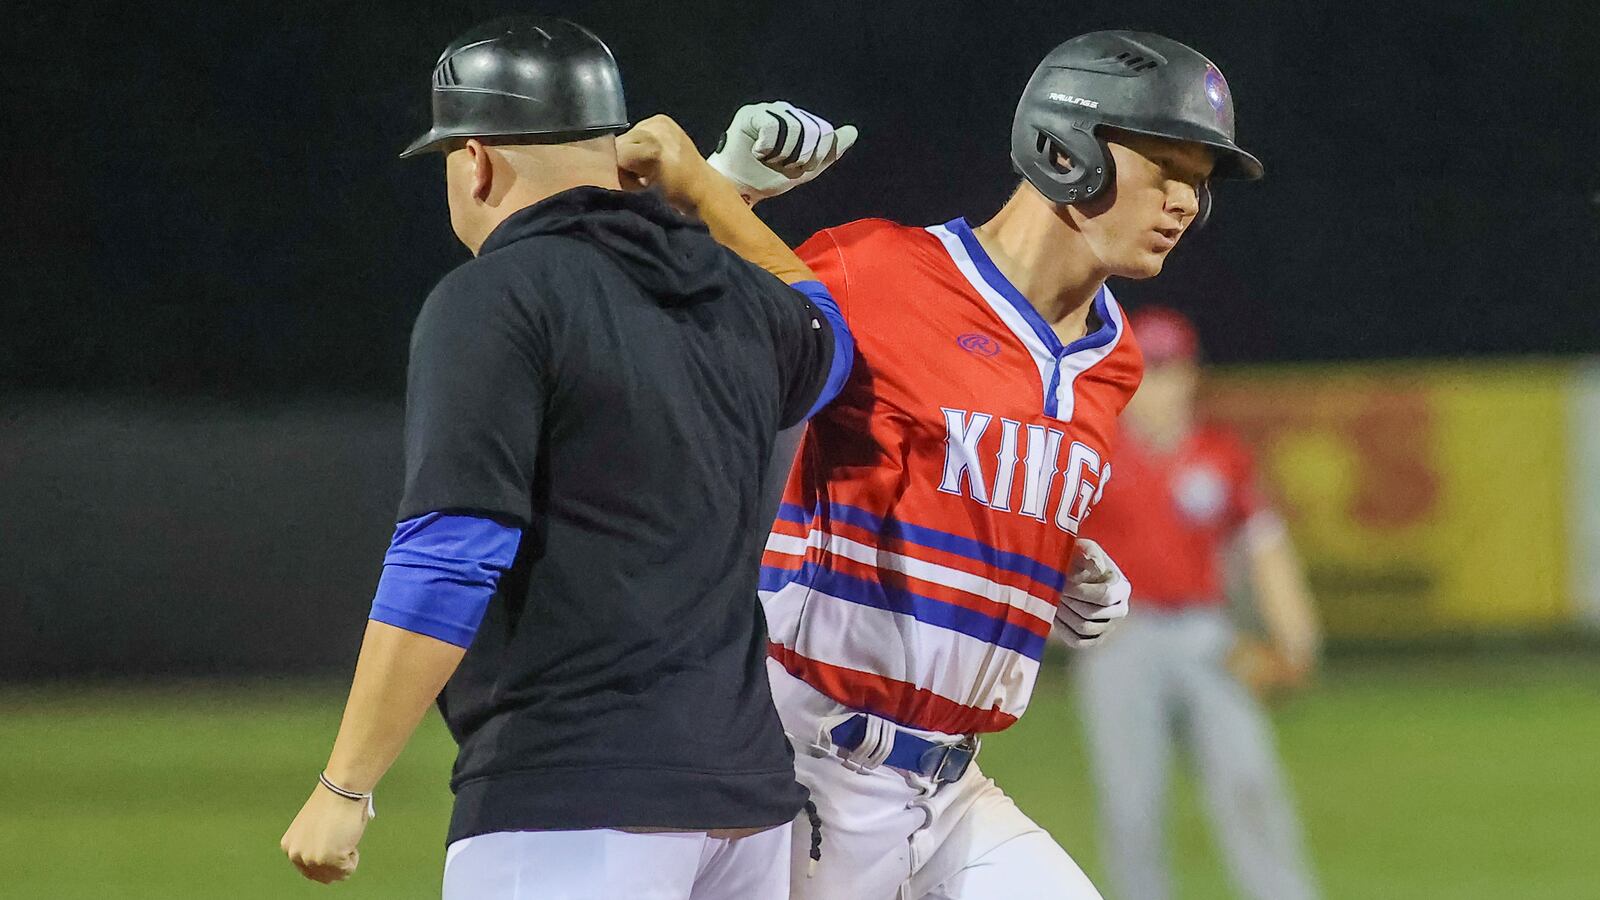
(1583,418)
(1433,499)
(190,538)
(204,537)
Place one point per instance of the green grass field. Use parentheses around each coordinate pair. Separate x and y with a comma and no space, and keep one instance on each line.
(1440,777)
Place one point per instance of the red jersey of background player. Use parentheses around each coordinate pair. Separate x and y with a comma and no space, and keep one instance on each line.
(1168,516)
(917,559)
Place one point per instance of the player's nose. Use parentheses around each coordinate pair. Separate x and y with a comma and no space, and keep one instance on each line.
(1183,201)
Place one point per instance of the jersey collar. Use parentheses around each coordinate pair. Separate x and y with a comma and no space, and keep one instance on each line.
(1059,364)
(999,284)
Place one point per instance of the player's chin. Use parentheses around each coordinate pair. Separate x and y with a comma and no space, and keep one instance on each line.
(1142,264)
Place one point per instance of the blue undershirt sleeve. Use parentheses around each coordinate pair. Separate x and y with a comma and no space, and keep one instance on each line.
(844,343)
(440,573)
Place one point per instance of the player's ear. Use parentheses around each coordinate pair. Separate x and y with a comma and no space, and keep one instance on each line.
(481,172)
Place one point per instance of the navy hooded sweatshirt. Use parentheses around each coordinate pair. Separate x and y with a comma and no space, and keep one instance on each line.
(608,379)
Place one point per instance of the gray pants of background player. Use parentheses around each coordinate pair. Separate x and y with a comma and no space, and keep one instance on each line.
(1159,682)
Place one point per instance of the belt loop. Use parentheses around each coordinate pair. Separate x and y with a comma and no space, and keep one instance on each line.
(875,746)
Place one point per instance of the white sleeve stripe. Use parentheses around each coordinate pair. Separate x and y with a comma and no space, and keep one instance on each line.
(932,572)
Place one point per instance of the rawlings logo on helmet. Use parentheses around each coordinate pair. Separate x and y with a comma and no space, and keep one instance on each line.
(1059,97)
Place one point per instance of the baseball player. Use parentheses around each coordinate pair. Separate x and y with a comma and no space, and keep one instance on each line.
(927,543)
(1178,674)
(591,404)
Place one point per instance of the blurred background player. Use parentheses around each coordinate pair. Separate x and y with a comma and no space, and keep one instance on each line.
(1179,674)
(927,541)
(590,406)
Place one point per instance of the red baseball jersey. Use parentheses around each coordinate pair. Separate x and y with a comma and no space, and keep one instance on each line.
(916,562)
(1167,517)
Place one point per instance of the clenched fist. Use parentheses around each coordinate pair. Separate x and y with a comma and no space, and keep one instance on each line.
(322,839)
(657,153)
(1094,599)
(770,148)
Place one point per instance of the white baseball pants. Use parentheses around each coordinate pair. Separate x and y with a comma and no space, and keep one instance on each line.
(603,864)
(890,835)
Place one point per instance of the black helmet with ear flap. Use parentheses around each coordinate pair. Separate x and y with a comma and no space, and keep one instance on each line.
(1131,80)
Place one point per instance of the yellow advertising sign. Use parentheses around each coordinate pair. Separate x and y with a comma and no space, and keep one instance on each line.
(1425,499)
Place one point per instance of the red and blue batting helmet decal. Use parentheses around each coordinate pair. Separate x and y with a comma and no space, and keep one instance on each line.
(1216,88)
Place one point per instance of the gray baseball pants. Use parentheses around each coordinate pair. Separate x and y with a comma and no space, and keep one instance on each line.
(1157,684)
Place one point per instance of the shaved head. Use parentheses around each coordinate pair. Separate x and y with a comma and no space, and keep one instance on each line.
(486,182)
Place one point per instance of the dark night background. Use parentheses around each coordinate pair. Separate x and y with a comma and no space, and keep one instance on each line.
(212,256)
(205,198)
(210,259)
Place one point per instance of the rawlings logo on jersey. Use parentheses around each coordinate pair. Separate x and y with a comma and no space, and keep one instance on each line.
(1022,476)
(981,344)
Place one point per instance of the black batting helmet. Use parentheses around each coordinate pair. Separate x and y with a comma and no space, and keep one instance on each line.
(1130,80)
(537,77)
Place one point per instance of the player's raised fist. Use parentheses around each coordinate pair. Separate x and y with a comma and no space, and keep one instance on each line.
(657,153)
(770,148)
(1095,597)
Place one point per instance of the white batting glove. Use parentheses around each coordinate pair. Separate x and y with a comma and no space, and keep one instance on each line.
(1095,598)
(770,148)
